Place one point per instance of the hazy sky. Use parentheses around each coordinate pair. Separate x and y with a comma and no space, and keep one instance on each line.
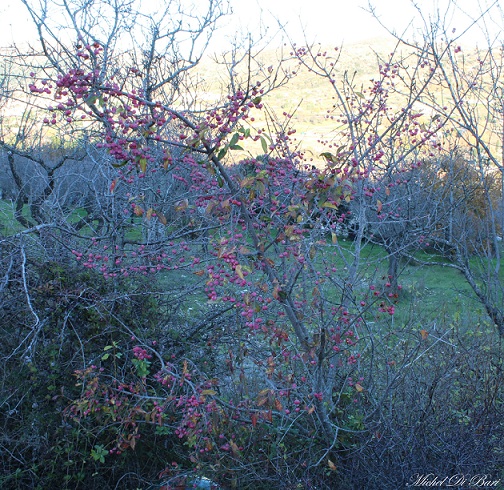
(336,21)
(321,20)
(327,21)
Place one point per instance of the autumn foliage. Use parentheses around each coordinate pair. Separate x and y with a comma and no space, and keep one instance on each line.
(228,295)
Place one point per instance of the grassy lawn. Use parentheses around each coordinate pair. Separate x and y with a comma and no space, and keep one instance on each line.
(9,225)
(431,296)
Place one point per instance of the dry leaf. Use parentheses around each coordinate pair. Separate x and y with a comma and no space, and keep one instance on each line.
(234,448)
(162,218)
(239,272)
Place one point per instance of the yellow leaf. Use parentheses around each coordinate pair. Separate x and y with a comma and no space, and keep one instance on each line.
(132,442)
(167,160)
(424,334)
(143,164)
(149,213)
(331,465)
(138,210)
(182,205)
(334,238)
(247,181)
(379,206)
(359,387)
(209,392)
(262,401)
(330,205)
(162,218)
(234,448)
(239,272)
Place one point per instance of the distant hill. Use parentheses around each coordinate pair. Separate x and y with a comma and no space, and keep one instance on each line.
(307,96)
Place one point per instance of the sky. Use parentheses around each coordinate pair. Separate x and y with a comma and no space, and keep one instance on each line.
(326,21)
(348,21)
(323,21)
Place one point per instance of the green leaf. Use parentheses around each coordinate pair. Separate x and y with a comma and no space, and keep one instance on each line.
(264,145)
(162,430)
(91,99)
(142,367)
(222,153)
(328,156)
(234,139)
(98,453)
(236,147)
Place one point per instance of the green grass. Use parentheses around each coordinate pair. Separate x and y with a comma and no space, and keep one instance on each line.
(434,294)
(8,224)
(430,295)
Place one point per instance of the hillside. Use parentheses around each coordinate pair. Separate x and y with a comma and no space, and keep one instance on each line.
(309,97)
